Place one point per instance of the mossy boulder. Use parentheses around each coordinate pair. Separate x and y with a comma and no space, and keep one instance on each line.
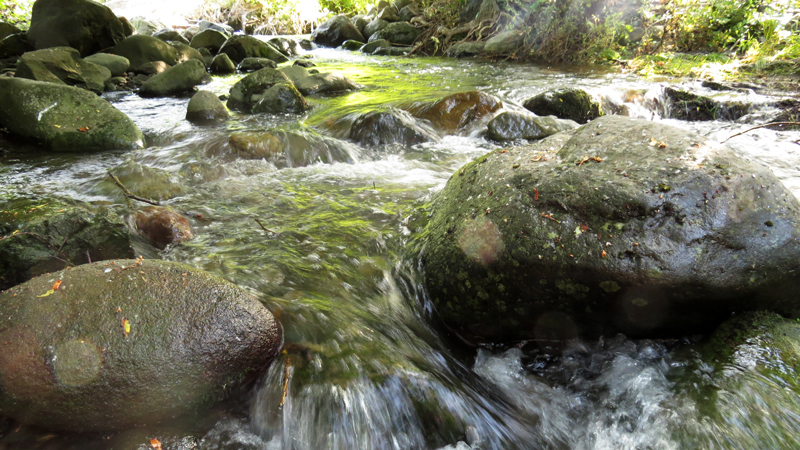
(222,64)
(571,104)
(374,26)
(66,64)
(280,99)
(52,234)
(511,125)
(291,148)
(65,118)
(240,47)
(175,80)
(684,105)
(371,46)
(185,52)
(335,31)
(210,39)
(141,49)
(253,64)
(619,226)
(458,111)
(116,64)
(168,35)
(317,83)
(389,127)
(398,33)
(249,90)
(14,45)
(206,107)
(6,29)
(126,343)
(505,42)
(84,25)
(287,46)
(465,49)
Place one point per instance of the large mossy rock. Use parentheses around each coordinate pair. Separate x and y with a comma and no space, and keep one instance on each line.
(126,343)
(205,108)
(400,33)
(249,90)
(684,105)
(335,31)
(458,111)
(389,127)
(512,125)
(81,24)
(317,83)
(291,148)
(52,234)
(240,47)
(116,64)
(210,39)
(60,117)
(253,64)
(222,64)
(619,226)
(6,29)
(281,98)
(141,49)
(570,104)
(175,80)
(505,42)
(64,63)
(14,45)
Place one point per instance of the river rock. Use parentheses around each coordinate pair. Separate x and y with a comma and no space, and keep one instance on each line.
(162,226)
(571,104)
(185,53)
(317,83)
(116,64)
(253,64)
(6,29)
(14,45)
(351,45)
(465,50)
(290,148)
(240,47)
(141,49)
(206,107)
(408,12)
(281,98)
(304,63)
(335,31)
(505,42)
(152,68)
(391,51)
(213,40)
(399,33)
(52,234)
(285,45)
(145,26)
(127,343)
(388,14)
(370,47)
(175,80)
(62,117)
(457,111)
(359,21)
(222,28)
(81,24)
(509,126)
(66,64)
(127,27)
(622,225)
(249,90)
(684,105)
(167,35)
(389,127)
(374,26)
(222,64)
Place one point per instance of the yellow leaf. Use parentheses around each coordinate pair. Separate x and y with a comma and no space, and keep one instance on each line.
(49,292)
(57,126)
(126,326)
(15,232)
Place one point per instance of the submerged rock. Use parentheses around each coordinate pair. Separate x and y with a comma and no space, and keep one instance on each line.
(65,64)
(253,64)
(317,83)
(240,47)
(291,149)
(62,117)
(52,234)
(84,25)
(685,105)
(281,98)
(570,104)
(457,111)
(206,107)
(138,342)
(335,31)
(162,226)
(389,127)
(175,80)
(249,90)
(619,226)
(141,49)
(509,126)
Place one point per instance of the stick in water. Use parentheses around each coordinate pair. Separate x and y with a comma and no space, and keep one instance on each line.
(761,126)
(128,193)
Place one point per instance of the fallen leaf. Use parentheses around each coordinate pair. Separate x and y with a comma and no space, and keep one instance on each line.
(155,443)
(56,285)
(57,126)
(83,129)
(535,194)
(603,254)
(51,291)
(126,326)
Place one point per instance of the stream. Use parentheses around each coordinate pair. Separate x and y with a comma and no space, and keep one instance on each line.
(365,366)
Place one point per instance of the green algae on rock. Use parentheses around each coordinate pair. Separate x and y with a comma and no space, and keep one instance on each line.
(118,344)
(576,236)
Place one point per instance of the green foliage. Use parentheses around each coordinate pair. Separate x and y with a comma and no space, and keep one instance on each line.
(16,12)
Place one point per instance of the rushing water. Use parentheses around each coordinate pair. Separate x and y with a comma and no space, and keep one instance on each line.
(365,366)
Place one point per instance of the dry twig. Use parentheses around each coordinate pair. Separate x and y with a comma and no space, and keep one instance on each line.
(129,194)
(797,124)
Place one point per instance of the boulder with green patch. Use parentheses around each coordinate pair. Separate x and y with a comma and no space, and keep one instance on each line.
(81,24)
(64,118)
(317,83)
(619,226)
(512,125)
(571,104)
(249,90)
(141,49)
(65,64)
(118,344)
(175,80)
(240,47)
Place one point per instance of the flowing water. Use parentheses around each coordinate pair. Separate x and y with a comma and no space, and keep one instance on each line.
(365,365)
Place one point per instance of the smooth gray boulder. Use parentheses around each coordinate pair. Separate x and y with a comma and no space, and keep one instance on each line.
(222,64)
(186,52)
(52,234)
(222,28)
(398,33)
(335,31)
(210,39)
(141,49)
(285,45)
(145,26)
(84,25)
(248,91)
(505,42)
(389,127)
(352,45)
(67,118)
(571,104)
(139,342)
(371,47)
(168,34)
(253,64)
(280,99)
(240,47)
(205,107)
(317,83)
(116,64)
(66,64)
(175,80)
(291,148)
(374,26)
(464,50)
(509,126)
(621,225)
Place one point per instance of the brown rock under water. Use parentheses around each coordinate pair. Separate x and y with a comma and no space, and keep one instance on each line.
(162,226)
